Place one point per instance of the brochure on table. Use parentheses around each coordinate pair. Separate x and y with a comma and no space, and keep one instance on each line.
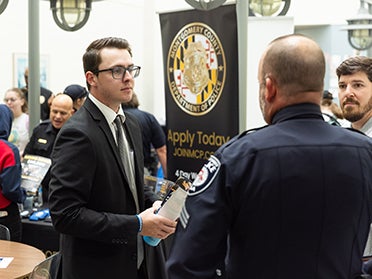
(5,261)
(34,168)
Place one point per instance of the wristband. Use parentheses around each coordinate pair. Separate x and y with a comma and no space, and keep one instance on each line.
(140,223)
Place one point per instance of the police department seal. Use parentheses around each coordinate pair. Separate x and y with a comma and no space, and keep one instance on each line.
(205,176)
(196,68)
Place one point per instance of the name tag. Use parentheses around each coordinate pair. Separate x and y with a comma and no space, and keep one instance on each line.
(43,141)
(3,214)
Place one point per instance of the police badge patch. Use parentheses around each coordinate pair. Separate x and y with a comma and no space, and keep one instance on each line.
(205,176)
(196,68)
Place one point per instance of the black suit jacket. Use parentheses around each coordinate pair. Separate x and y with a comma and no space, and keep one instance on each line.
(90,201)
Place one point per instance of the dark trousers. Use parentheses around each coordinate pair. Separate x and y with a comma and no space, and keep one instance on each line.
(142,271)
(13,222)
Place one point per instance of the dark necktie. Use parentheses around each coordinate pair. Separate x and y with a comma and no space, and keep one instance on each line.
(127,159)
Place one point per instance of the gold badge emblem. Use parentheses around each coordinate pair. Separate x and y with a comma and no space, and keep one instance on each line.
(196,68)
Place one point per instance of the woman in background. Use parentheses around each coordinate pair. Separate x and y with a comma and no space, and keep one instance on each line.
(16,101)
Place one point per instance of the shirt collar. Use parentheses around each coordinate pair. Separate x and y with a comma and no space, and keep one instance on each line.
(367,127)
(107,112)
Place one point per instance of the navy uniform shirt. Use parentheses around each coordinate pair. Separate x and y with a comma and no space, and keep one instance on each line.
(41,143)
(289,200)
(42,140)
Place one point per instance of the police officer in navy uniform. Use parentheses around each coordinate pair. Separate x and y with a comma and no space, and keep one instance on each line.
(43,136)
(289,200)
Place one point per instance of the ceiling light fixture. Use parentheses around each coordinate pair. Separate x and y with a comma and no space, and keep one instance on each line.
(205,5)
(71,15)
(360,27)
(3,4)
(268,7)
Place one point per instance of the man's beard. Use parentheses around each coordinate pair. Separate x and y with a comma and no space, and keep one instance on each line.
(353,114)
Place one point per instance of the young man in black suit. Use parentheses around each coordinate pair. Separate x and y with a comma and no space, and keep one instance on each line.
(91,201)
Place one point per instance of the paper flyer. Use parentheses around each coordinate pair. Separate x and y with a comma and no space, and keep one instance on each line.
(175,199)
(34,168)
(172,208)
(5,261)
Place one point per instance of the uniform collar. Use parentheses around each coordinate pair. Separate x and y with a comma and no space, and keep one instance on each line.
(304,110)
(50,128)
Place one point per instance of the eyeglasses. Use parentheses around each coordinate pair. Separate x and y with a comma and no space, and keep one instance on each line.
(12,100)
(118,72)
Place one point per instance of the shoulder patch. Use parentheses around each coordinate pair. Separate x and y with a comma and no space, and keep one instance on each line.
(205,176)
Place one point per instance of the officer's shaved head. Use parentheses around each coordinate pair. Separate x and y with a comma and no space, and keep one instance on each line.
(291,71)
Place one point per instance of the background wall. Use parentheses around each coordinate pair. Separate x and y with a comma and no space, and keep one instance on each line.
(65,49)
(137,21)
(333,41)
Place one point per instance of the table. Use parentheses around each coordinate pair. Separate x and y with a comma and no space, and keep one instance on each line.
(25,259)
(41,235)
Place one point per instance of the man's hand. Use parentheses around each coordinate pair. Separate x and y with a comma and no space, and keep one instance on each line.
(155,225)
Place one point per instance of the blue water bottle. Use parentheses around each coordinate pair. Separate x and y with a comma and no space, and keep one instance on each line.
(152,241)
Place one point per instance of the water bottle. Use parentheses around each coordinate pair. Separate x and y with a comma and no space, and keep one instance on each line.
(28,204)
(39,197)
(160,173)
(152,241)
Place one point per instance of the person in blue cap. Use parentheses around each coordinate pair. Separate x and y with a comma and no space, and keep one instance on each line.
(77,93)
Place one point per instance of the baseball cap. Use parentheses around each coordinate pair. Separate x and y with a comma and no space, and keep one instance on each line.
(75,91)
(327,95)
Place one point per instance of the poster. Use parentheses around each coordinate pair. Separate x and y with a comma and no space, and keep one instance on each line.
(20,63)
(201,85)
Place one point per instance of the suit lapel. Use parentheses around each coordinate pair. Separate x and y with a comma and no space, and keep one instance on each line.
(103,125)
(128,126)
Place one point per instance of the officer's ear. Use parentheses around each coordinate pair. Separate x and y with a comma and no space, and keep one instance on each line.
(271,88)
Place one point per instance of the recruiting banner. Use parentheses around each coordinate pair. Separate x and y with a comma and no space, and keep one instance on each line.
(201,85)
